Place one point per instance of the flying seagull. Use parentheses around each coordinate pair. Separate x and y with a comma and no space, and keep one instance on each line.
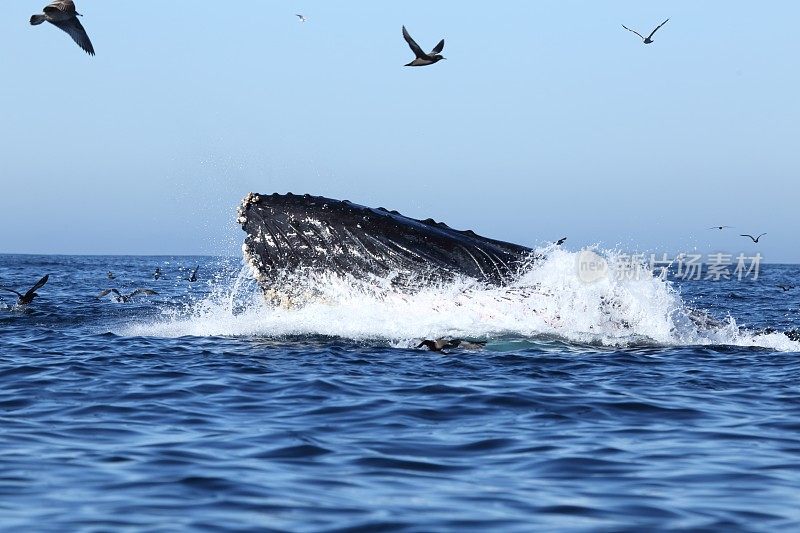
(193,276)
(62,14)
(301,17)
(124,298)
(720,227)
(440,344)
(423,58)
(560,241)
(647,40)
(25,299)
(755,239)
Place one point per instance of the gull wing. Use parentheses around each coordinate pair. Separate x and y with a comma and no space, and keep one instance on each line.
(39,285)
(414,46)
(108,291)
(657,27)
(65,6)
(438,48)
(633,31)
(137,292)
(75,30)
(10,290)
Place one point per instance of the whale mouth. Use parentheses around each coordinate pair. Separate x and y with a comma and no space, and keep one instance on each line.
(291,235)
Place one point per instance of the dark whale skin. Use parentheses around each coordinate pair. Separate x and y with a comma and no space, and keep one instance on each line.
(289,234)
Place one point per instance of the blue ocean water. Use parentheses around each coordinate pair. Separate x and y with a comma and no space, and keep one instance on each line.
(198,408)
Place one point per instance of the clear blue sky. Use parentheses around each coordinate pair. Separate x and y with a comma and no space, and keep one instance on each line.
(548,119)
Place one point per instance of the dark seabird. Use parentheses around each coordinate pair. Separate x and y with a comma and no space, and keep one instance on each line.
(560,241)
(301,17)
(647,40)
(755,239)
(110,275)
(786,287)
(193,276)
(124,298)
(25,299)
(720,227)
(438,345)
(423,58)
(62,14)
(157,273)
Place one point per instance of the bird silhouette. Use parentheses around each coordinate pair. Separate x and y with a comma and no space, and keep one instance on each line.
(125,298)
(648,39)
(157,274)
(193,276)
(62,14)
(786,287)
(423,59)
(720,227)
(301,17)
(25,299)
(439,345)
(754,239)
(560,241)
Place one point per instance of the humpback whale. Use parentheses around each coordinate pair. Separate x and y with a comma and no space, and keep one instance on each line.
(290,235)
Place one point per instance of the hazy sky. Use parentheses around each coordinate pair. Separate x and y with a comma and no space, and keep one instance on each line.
(547,120)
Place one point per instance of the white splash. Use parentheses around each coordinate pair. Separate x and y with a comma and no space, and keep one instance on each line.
(624,305)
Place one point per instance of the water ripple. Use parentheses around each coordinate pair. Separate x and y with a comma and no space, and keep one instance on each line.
(100,431)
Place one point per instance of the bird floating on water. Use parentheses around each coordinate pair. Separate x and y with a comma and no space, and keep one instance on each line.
(423,59)
(754,239)
(193,276)
(157,273)
(438,345)
(648,39)
(25,299)
(125,298)
(62,14)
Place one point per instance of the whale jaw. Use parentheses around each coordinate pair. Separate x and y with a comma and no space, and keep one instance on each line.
(292,235)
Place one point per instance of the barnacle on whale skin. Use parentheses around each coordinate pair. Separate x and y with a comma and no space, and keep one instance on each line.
(247,201)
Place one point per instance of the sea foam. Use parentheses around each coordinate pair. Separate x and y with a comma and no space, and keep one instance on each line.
(625,305)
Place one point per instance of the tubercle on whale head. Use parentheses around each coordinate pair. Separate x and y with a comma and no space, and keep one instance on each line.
(260,271)
(254,264)
(251,199)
